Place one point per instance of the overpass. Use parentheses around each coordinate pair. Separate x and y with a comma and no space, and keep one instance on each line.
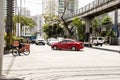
(93,9)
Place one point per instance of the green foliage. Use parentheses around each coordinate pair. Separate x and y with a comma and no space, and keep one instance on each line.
(46,29)
(52,28)
(103,33)
(106,20)
(51,19)
(95,23)
(110,33)
(80,26)
(53,31)
(77,22)
(19,39)
(25,21)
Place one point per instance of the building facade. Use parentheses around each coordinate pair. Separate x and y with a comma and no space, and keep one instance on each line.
(50,7)
(39,25)
(71,5)
(115,16)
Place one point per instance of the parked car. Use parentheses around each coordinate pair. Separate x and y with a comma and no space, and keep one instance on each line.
(51,41)
(40,41)
(60,38)
(68,44)
(97,40)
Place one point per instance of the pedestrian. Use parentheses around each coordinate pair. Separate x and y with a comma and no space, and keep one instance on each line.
(20,47)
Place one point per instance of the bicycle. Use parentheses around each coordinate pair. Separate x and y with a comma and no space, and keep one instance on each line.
(25,49)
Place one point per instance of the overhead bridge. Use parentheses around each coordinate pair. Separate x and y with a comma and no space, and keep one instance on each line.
(93,9)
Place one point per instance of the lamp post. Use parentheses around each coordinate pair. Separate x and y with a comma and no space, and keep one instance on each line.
(1,34)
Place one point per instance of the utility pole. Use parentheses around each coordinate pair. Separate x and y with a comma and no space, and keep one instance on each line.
(1,35)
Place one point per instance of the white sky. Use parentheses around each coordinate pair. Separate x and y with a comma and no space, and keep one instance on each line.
(84,2)
(36,8)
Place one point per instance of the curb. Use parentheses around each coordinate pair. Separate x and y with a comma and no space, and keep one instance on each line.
(12,79)
(7,78)
(105,49)
(7,52)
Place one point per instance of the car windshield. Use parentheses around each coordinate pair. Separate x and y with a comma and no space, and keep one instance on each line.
(100,38)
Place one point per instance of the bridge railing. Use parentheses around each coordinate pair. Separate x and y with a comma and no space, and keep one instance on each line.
(93,5)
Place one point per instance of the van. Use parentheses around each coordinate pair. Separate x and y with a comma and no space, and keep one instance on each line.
(97,40)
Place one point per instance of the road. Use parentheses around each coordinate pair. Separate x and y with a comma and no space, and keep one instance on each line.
(46,64)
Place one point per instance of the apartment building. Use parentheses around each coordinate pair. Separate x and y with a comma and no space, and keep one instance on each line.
(72,7)
(50,7)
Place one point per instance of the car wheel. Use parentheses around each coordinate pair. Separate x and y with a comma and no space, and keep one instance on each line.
(54,47)
(73,48)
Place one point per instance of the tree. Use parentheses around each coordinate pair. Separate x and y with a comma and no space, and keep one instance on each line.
(95,25)
(110,33)
(106,20)
(52,27)
(25,21)
(53,31)
(51,19)
(66,5)
(80,26)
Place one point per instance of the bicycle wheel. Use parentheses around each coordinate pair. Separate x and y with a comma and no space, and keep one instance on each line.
(15,52)
(26,52)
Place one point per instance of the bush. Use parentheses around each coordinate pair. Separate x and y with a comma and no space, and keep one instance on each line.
(19,39)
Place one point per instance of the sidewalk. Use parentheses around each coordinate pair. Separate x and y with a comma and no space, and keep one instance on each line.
(114,48)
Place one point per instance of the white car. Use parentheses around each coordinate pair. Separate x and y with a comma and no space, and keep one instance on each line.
(40,41)
(97,40)
(52,41)
(60,38)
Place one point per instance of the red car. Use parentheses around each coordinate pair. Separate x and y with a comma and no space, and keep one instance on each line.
(68,44)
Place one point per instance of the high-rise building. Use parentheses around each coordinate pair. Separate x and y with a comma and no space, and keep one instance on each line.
(50,7)
(20,9)
(22,12)
(39,25)
(61,7)
(56,7)
(71,7)
(112,15)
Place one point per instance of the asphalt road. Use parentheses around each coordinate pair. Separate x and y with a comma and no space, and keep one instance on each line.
(46,64)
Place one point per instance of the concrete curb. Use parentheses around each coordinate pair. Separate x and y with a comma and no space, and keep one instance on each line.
(11,79)
(7,52)
(7,78)
(105,49)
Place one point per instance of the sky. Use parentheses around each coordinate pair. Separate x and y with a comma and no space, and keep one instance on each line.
(35,6)
(82,3)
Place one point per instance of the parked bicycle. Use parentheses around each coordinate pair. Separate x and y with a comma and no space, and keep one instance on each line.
(20,48)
